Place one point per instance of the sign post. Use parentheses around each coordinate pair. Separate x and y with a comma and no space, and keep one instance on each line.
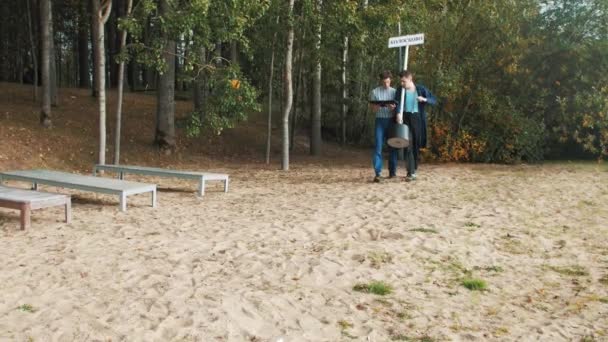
(412,39)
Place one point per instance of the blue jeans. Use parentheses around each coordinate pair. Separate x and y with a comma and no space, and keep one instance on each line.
(382,126)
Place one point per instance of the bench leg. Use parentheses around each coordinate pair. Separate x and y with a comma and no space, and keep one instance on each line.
(68,211)
(121,175)
(201,187)
(25,216)
(94,171)
(154,198)
(35,186)
(226,185)
(123,202)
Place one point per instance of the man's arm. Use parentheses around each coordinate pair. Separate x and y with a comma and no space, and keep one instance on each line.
(374,107)
(429,97)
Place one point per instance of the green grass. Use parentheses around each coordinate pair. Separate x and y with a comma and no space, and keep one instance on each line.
(424,230)
(401,337)
(474,284)
(472,225)
(496,269)
(574,270)
(345,324)
(376,287)
(588,339)
(26,308)
(377,259)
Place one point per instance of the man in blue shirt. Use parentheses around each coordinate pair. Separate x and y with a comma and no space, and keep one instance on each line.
(384,119)
(415,99)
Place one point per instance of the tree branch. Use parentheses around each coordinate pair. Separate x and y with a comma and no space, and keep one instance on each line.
(106,10)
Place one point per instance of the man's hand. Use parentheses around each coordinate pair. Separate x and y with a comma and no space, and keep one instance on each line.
(421,99)
(399,118)
(375,108)
(392,106)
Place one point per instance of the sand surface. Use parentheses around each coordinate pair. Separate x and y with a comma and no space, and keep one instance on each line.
(279,254)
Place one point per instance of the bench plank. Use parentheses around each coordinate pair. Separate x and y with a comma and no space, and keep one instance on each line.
(80,182)
(27,200)
(202,177)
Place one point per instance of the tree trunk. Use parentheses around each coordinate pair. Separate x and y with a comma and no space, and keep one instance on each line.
(133,73)
(288,88)
(344,88)
(53,59)
(315,141)
(45,27)
(114,41)
(83,46)
(165,132)
(100,14)
(34,53)
(234,53)
(362,106)
(298,99)
(270,91)
(121,84)
(3,40)
(149,76)
(200,86)
(94,41)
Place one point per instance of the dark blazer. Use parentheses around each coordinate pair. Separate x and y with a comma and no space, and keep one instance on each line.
(430,100)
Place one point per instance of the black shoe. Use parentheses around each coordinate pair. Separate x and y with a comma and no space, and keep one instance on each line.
(392,175)
(377,179)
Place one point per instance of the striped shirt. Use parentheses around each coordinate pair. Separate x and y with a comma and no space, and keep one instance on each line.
(383,94)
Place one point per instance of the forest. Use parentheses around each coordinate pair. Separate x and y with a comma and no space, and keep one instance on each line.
(517,81)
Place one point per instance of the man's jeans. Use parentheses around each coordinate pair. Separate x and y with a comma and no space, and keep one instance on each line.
(382,126)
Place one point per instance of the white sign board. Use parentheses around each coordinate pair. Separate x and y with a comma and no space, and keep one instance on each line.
(412,39)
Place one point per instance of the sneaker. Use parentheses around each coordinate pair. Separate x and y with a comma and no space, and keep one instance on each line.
(410,177)
(392,175)
(377,179)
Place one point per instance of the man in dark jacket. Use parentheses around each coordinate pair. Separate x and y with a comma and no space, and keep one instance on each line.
(415,99)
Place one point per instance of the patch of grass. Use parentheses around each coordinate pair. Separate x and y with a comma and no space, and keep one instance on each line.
(457,268)
(496,269)
(502,331)
(425,230)
(604,280)
(26,308)
(402,337)
(588,339)
(471,225)
(376,287)
(474,284)
(574,270)
(379,258)
(512,246)
(384,302)
(345,324)
(404,315)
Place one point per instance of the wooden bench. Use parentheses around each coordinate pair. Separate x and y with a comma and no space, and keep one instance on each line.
(201,177)
(28,200)
(80,182)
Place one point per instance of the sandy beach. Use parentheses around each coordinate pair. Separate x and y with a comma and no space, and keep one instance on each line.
(278,256)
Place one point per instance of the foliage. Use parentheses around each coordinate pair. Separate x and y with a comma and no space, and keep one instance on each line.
(232,99)
(517,80)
